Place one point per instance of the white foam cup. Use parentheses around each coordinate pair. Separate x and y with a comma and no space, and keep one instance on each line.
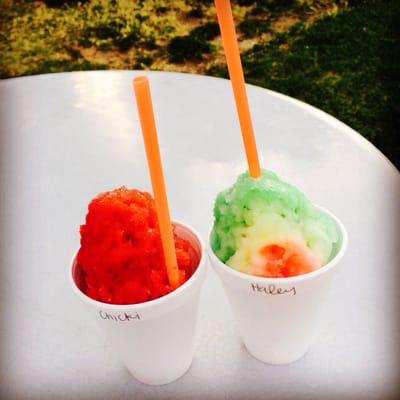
(277,317)
(155,339)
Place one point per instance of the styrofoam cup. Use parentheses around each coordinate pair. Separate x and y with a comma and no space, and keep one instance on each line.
(155,339)
(277,317)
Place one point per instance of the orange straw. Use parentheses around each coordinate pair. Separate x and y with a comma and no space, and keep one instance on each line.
(232,55)
(149,132)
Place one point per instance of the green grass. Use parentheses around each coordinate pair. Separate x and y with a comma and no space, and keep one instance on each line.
(346,64)
(251,27)
(191,47)
(51,66)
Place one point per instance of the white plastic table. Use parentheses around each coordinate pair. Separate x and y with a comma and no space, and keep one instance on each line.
(66,137)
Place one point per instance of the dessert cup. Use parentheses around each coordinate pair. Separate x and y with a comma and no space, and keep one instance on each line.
(277,317)
(155,339)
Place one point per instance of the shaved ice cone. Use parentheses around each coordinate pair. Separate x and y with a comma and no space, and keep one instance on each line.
(276,254)
(120,277)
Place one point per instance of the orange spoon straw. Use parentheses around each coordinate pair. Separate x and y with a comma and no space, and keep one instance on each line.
(226,24)
(149,132)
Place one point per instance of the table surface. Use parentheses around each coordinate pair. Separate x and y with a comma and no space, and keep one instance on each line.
(66,137)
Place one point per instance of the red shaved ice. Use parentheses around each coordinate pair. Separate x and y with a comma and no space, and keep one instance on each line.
(120,260)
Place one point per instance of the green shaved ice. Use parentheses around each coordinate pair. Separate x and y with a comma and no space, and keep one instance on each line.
(246,207)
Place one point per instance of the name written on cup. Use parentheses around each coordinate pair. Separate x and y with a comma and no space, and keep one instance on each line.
(272,289)
(122,317)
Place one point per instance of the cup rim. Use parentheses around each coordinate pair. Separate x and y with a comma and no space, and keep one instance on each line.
(290,279)
(198,274)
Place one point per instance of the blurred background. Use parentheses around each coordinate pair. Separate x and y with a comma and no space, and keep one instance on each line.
(342,56)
